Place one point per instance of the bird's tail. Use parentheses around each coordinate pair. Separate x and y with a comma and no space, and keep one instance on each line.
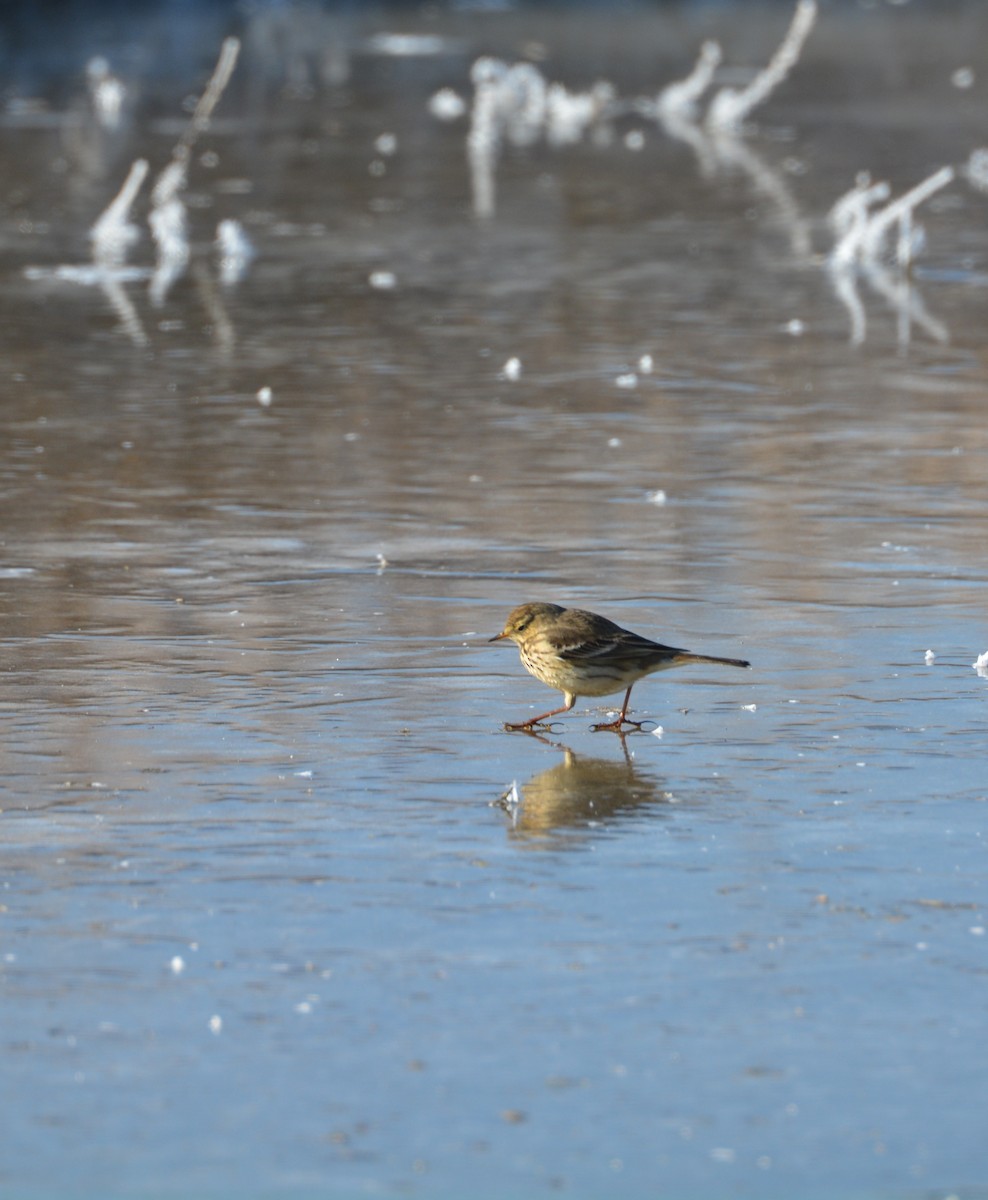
(687,656)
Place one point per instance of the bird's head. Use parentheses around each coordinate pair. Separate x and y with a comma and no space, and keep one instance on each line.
(526,618)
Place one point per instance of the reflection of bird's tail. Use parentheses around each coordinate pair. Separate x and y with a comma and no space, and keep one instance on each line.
(687,657)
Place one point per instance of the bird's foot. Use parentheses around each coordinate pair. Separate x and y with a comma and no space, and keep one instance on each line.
(529,726)
(621,725)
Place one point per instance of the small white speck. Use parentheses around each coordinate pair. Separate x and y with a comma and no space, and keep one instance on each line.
(795,327)
(962,78)
(265,396)
(658,731)
(511,369)
(645,364)
(303,1007)
(749,707)
(656,497)
(177,965)
(614,442)
(382,280)
(930,658)
(386,144)
(215,1024)
(977,930)
(634,139)
(447,105)
(723,1154)
(980,664)
(630,380)
(302,774)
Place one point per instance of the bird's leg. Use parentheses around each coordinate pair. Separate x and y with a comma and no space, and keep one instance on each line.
(622,720)
(528,725)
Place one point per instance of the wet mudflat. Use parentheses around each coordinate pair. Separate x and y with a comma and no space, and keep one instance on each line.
(267,924)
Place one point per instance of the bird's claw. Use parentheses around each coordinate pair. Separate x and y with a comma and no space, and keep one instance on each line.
(529,726)
(618,726)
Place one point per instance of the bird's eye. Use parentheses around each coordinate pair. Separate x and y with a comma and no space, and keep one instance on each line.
(523,624)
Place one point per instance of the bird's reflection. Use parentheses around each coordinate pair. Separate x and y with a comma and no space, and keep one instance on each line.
(578,794)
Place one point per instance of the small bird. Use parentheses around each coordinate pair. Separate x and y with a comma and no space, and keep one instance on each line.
(583,654)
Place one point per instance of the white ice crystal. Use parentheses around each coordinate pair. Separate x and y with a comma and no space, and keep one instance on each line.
(447,105)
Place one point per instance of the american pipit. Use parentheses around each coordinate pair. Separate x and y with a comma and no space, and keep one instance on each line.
(583,654)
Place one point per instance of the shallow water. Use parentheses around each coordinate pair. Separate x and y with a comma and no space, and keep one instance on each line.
(266,925)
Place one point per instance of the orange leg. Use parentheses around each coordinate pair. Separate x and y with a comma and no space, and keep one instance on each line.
(570,701)
(622,717)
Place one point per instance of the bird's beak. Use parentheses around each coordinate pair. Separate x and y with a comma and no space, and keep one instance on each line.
(498,637)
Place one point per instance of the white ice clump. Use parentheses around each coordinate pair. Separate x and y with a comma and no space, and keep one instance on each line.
(657,497)
(177,964)
(383,281)
(861,234)
(215,1024)
(730,107)
(234,250)
(511,369)
(645,364)
(447,105)
(106,92)
(628,380)
(264,397)
(981,665)
(976,169)
(900,212)
(680,99)
(113,235)
(568,114)
(168,213)
(930,658)
(850,215)
(516,103)
(169,229)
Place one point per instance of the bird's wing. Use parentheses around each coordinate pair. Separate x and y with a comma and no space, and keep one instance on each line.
(577,649)
(614,641)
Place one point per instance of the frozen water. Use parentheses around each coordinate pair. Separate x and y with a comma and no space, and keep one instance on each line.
(273,921)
